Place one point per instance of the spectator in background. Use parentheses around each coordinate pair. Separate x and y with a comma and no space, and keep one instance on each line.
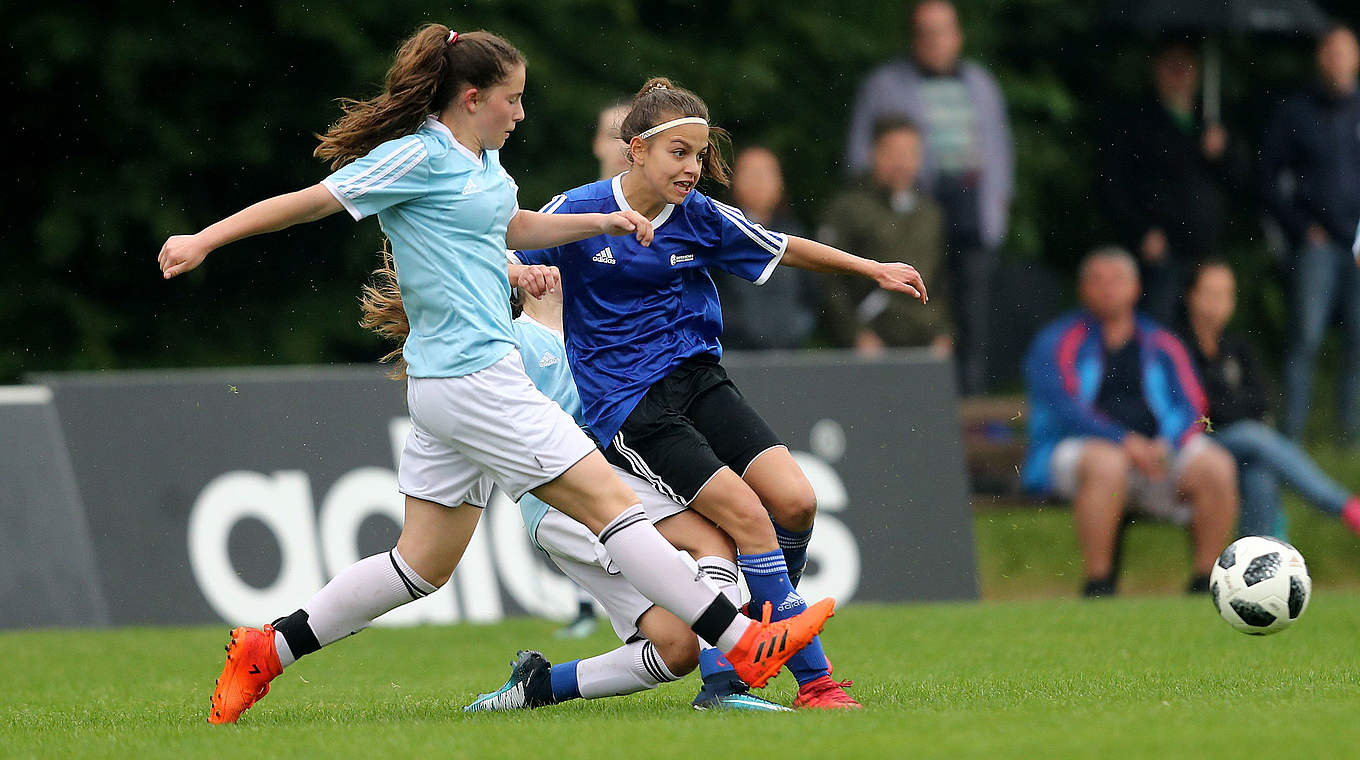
(1163,180)
(782,312)
(611,152)
(1235,384)
(1310,161)
(968,164)
(1116,420)
(885,217)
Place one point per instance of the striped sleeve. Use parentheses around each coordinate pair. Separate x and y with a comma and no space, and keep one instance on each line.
(391,173)
(744,248)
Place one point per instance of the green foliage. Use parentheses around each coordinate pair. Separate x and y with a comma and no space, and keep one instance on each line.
(160,118)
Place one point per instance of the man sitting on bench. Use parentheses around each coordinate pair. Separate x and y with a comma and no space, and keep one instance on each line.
(1117,421)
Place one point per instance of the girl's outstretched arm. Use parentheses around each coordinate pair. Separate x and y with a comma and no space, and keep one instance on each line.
(184,252)
(819,257)
(531,230)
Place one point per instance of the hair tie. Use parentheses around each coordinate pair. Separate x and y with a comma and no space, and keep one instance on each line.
(453,37)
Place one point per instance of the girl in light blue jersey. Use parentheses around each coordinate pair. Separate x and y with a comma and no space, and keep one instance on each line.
(424,157)
(642,328)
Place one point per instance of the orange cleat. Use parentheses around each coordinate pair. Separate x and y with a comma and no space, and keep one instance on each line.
(825,694)
(766,646)
(252,663)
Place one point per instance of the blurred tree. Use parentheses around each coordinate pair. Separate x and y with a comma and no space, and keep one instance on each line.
(132,122)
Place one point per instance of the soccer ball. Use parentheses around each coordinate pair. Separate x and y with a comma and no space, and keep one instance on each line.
(1260,585)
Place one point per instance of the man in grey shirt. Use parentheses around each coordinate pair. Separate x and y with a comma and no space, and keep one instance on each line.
(968,167)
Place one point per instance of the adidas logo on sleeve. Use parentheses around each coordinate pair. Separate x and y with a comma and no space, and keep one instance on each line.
(548,359)
(604,257)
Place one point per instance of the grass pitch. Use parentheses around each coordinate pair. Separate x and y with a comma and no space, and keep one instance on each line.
(1139,677)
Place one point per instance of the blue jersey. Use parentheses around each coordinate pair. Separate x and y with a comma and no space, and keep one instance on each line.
(446,212)
(633,313)
(545,362)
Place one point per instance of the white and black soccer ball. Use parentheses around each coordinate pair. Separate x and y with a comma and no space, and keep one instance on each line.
(1260,585)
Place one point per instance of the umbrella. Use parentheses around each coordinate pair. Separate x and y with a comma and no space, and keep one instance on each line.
(1219,17)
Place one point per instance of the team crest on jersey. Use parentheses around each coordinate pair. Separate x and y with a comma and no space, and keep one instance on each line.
(548,359)
(471,187)
(681,258)
(604,257)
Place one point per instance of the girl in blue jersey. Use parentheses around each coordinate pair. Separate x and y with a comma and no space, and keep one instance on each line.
(642,328)
(424,157)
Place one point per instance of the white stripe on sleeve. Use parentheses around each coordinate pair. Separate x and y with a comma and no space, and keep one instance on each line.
(554,204)
(392,175)
(749,227)
(364,181)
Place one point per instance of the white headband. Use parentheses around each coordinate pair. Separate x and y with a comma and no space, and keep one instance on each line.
(673,123)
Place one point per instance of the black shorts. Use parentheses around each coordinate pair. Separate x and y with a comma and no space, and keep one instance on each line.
(689,425)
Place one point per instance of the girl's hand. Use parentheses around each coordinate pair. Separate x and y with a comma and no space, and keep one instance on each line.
(902,278)
(538,280)
(180,254)
(624,222)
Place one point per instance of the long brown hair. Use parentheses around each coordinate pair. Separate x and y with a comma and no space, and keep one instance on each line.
(428,72)
(380,301)
(659,101)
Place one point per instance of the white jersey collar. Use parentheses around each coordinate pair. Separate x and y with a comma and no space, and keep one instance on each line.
(623,202)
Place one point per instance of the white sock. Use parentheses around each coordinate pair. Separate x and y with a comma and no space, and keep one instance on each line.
(663,574)
(354,598)
(630,668)
(723,573)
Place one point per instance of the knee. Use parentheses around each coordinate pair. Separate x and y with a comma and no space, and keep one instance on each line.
(1104,465)
(679,650)
(1214,472)
(433,567)
(794,507)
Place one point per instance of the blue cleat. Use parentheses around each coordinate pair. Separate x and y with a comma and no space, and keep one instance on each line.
(732,695)
(529,686)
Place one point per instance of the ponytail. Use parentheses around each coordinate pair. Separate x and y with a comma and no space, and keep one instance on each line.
(659,101)
(383,313)
(431,68)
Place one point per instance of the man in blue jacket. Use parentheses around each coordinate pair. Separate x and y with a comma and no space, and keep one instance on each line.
(1117,420)
(1310,162)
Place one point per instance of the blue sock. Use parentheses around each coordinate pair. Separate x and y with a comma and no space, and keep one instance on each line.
(563,678)
(768,580)
(794,543)
(712,665)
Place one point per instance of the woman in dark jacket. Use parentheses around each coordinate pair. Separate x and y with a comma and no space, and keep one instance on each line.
(1235,384)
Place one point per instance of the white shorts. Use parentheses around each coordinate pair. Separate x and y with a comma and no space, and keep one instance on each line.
(581,557)
(1157,499)
(492,426)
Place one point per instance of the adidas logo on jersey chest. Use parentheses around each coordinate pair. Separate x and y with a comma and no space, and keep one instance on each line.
(605,256)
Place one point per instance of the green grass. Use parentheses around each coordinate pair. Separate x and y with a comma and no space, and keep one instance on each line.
(1157,677)
(1027,552)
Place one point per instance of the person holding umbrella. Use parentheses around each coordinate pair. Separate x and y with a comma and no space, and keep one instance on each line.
(1166,169)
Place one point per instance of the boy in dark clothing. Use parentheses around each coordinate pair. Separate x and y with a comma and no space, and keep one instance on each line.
(1236,387)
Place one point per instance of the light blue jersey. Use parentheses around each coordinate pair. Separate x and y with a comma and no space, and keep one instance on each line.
(446,212)
(545,362)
